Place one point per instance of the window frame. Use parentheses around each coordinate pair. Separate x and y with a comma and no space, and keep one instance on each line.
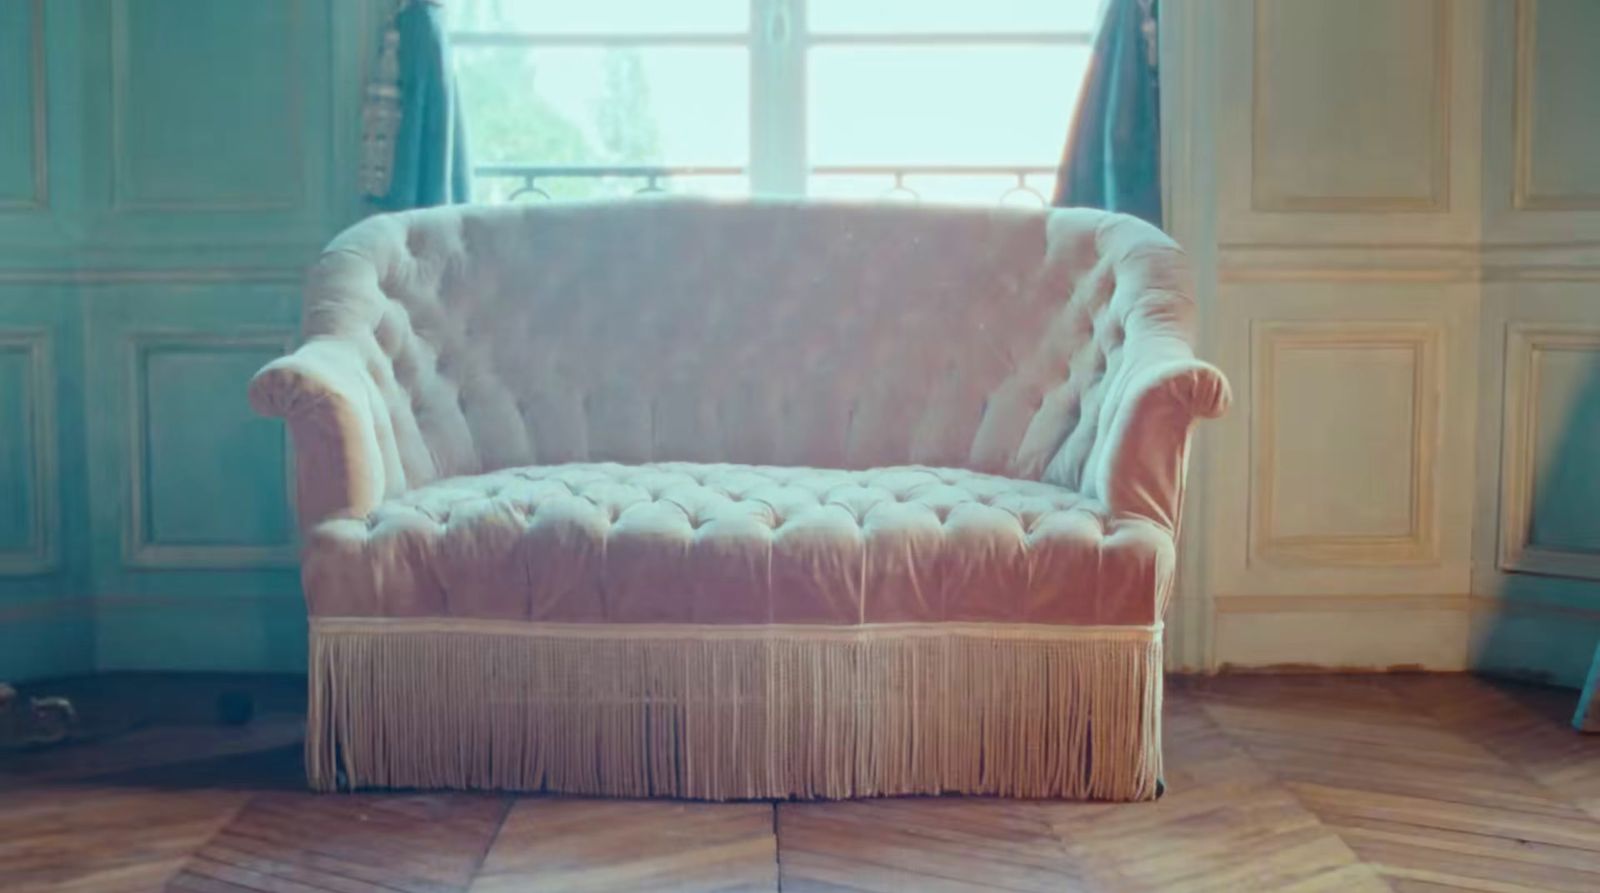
(778,43)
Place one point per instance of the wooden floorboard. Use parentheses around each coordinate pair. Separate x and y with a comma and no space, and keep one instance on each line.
(1416,784)
(360,843)
(1418,799)
(1225,824)
(558,845)
(932,844)
(90,838)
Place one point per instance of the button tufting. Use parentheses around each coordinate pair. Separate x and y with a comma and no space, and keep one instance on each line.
(555,332)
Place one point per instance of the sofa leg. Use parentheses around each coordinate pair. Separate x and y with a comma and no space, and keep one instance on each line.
(1161,788)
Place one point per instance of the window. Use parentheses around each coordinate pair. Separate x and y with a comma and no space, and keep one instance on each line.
(947,100)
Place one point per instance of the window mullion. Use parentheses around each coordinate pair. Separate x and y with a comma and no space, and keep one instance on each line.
(777,97)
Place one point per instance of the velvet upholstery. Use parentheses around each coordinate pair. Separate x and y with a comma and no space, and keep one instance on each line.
(768,412)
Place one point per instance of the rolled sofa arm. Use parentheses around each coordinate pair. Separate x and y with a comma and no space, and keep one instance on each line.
(328,398)
(1142,456)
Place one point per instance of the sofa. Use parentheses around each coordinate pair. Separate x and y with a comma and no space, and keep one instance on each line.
(728,500)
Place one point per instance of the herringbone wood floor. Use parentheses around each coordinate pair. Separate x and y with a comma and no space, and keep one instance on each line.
(1420,784)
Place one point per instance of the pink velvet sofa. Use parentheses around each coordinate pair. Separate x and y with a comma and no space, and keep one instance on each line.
(712,500)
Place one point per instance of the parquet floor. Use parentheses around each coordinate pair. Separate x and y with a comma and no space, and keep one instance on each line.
(1419,784)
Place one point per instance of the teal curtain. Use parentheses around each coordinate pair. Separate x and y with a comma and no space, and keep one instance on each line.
(1113,155)
(416,153)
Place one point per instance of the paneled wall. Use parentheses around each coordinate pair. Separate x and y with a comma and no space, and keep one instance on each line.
(1538,505)
(167,167)
(1404,242)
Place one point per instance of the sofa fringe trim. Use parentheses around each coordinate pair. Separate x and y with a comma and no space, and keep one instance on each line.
(736,712)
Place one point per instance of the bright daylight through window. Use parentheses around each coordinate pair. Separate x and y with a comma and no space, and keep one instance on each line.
(939,100)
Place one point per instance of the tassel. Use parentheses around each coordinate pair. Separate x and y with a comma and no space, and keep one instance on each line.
(380,117)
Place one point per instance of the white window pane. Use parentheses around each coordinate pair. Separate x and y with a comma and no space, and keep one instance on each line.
(964,189)
(942,105)
(600,16)
(967,16)
(606,106)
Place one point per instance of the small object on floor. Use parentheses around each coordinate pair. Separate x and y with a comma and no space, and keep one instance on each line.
(46,721)
(235,708)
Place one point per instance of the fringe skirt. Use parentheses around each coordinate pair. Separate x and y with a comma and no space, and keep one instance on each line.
(736,712)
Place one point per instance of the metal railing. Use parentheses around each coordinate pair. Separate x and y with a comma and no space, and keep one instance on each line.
(899,173)
(651,177)
(529,175)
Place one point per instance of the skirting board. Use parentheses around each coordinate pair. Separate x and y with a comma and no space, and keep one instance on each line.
(210,632)
(1341,633)
(1524,639)
(45,646)
(1534,641)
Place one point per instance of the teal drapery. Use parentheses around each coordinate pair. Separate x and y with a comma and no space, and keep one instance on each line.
(1113,155)
(415,151)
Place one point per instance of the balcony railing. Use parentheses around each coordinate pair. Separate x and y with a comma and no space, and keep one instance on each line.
(531,180)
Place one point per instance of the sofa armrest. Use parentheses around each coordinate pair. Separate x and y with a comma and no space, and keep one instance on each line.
(1142,456)
(336,419)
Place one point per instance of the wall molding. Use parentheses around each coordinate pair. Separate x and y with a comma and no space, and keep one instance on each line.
(138,549)
(1505,273)
(1186,33)
(40,99)
(1490,604)
(1518,554)
(42,556)
(120,175)
(1420,544)
(1438,198)
(1523,197)
(85,606)
(1569,261)
(185,274)
(1295,604)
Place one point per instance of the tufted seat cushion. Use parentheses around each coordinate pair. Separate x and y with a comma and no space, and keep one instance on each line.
(721,543)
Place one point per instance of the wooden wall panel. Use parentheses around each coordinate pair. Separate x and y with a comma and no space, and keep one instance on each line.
(1346,438)
(45,629)
(205,105)
(193,548)
(1550,477)
(1321,141)
(1557,108)
(23,132)
(1353,123)
(1339,490)
(210,481)
(31,507)
(1346,465)
(167,170)
(211,130)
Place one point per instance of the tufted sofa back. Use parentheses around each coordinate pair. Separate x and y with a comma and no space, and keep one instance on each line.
(779,333)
